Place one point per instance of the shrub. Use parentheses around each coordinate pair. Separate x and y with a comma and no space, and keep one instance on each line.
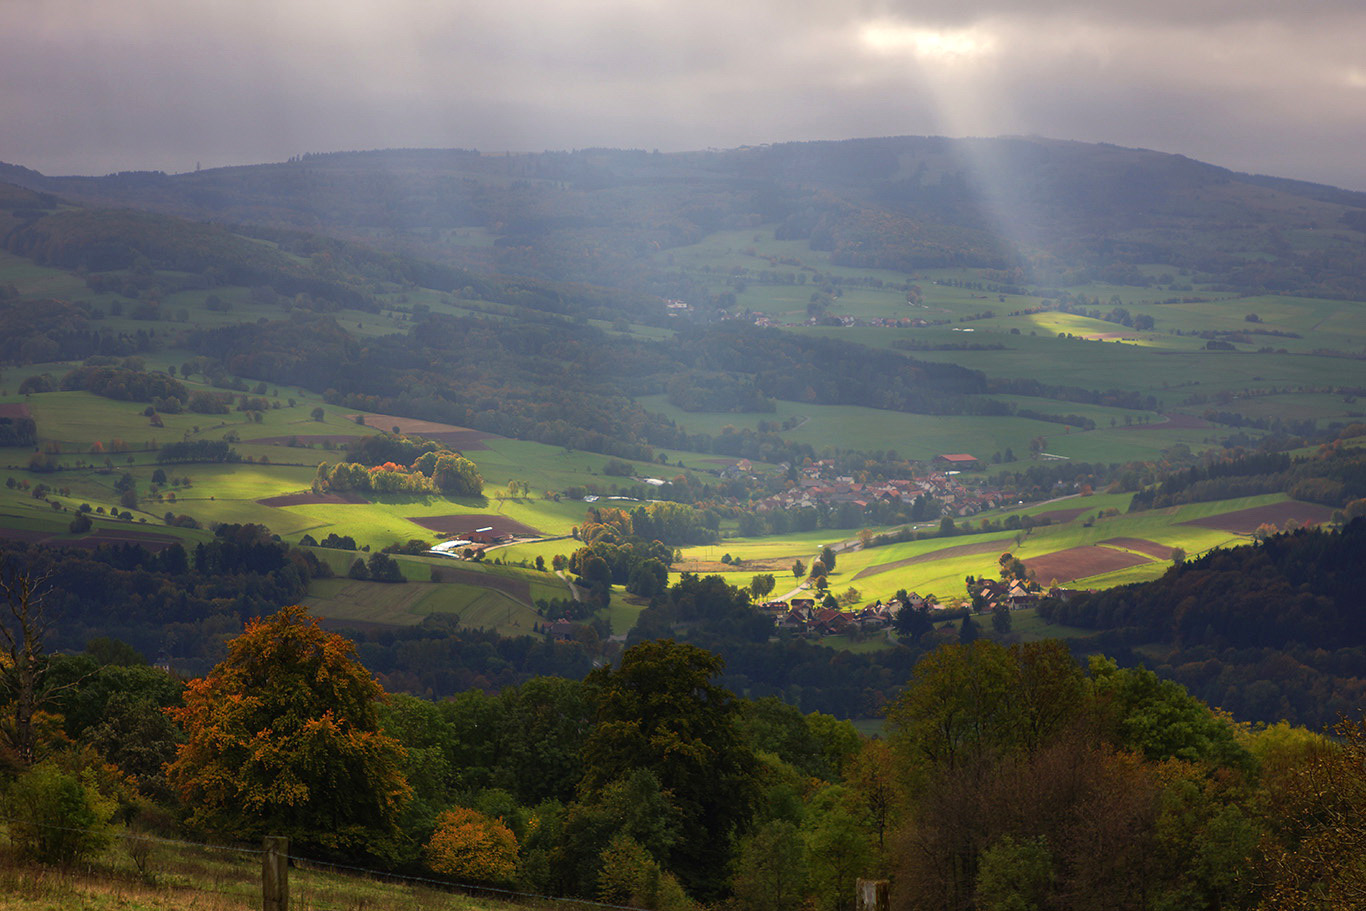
(472,847)
(57,817)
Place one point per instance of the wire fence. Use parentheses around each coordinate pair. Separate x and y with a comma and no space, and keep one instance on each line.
(146,871)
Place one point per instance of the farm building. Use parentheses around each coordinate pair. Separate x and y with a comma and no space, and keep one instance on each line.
(958,460)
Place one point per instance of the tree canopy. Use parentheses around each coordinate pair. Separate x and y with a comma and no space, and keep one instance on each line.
(283,737)
(660,711)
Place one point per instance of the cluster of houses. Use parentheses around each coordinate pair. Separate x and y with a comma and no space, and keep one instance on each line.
(815,487)
(1009,593)
(768,320)
(804,616)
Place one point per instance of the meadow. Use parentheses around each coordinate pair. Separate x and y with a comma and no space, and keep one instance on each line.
(100,440)
(938,566)
(75,422)
(878,574)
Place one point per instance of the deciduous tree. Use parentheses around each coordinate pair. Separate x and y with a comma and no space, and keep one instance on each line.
(283,737)
(660,711)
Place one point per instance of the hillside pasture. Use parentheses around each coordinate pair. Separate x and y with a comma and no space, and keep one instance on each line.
(1246,521)
(495,598)
(1110,551)
(993,545)
(454,436)
(113,537)
(911,436)
(464,524)
(184,875)
(1147,548)
(312,499)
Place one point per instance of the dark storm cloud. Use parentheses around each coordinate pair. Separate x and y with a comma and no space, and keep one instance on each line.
(92,86)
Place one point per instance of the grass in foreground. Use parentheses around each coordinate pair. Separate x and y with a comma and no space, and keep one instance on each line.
(207,879)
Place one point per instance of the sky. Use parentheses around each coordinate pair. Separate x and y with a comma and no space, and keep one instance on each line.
(93,86)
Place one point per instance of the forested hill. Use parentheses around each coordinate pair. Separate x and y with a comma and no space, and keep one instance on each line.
(561,382)
(1041,211)
(1267,631)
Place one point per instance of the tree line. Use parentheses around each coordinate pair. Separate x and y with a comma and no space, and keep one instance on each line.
(1271,631)
(1008,777)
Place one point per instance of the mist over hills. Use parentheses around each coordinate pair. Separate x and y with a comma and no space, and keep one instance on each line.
(1040,211)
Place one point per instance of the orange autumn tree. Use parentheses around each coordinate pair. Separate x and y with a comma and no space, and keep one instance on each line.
(283,738)
(471,847)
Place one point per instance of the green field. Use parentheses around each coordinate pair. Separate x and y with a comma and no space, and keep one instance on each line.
(341,600)
(231,493)
(945,577)
(99,440)
(1166,361)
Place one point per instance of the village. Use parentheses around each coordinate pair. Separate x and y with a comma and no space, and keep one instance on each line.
(818,485)
(816,618)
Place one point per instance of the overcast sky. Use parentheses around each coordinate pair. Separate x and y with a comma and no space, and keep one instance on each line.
(92,86)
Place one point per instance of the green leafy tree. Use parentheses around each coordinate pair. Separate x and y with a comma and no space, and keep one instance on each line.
(970,700)
(634,807)
(816,745)
(912,622)
(426,736)
(384,568)
(828,558)
(770,868)
(283,737)
(837,848)
(1161,720)
(546,721)
(660,711)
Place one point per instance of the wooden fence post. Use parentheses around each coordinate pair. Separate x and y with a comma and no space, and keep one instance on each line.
(275,874)
(873,895)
